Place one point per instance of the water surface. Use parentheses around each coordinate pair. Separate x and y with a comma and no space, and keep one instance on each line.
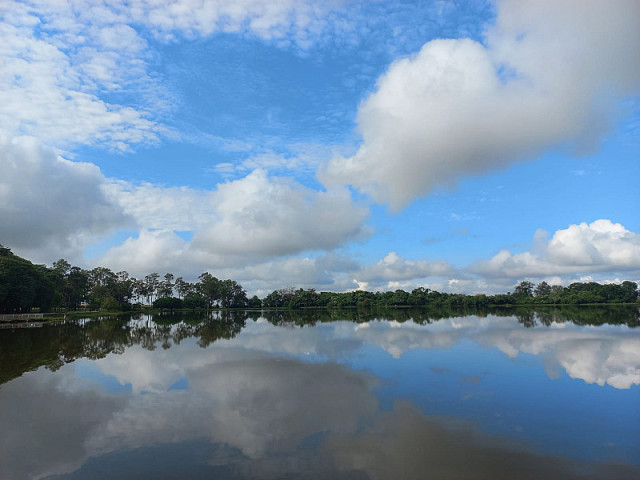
(387,394)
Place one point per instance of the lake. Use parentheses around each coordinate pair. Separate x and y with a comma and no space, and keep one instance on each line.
(386,394)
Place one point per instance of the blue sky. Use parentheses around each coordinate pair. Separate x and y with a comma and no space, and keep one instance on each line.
(461,146)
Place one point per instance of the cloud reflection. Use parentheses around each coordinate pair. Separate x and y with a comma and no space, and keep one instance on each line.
(604,356)
(275,401)
(252,415)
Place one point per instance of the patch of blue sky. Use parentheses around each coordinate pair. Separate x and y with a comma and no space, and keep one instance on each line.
(233,91)
(250,91)
(461,224)
(97,249)
(180,384)
(108,383)
(186,235)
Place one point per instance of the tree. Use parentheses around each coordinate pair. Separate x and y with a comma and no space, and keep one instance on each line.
(543,289)
(165,288)
(630,292)
(23,285)
(152,282)
(62,267)
(209,288)
(524,289)
(399,297)
(168,303)
(231,294)
(418,296)
(76,287)
(123,290)
(255,302)
(183,288)
(139,289)
(102,283)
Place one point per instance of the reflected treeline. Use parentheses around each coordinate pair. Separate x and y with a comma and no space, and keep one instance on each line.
(52,346)
(594,315)
(418,315)
(528,316)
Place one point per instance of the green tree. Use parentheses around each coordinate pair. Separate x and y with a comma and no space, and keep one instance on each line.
(399,297)
(255,302)
(418,296)
(170,303)
(102,284)
(524,290)
(183,288)
(231,294)
(23,285)
(543,289)
(209,287)
(165,288)
(152,282)
(630,292)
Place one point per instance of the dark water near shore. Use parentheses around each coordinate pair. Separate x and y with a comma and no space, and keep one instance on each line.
(389,394)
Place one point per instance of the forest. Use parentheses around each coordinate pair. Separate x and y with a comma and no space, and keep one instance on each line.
(26,287)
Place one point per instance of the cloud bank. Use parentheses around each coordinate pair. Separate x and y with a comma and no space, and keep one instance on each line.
(601,246)
(550,75)
(50,206)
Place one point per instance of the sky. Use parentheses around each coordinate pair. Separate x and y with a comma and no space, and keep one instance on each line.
(462,146)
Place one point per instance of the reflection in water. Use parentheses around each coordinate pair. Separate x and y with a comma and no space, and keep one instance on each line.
(236,395)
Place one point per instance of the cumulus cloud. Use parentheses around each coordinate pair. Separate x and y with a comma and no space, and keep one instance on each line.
(151,250)
(550,75)
(160,207)
(242,222)
(50,207)
(393,268)
(261,257)
(328,272)
(601,246)
(275,216)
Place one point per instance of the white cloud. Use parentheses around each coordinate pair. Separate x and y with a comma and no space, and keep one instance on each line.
(237,396)
(601,246)
(57,61)
(265,215)
(84,408)
(301,20)
(330,272)
(243,222)
(50,207)
(551,75)
(393,270)
(60,59)
(160,207)
(151,251)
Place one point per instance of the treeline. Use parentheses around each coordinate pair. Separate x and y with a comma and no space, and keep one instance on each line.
(524,293)
(25,287)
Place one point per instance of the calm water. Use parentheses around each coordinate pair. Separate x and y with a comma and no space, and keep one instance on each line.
(391,395)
